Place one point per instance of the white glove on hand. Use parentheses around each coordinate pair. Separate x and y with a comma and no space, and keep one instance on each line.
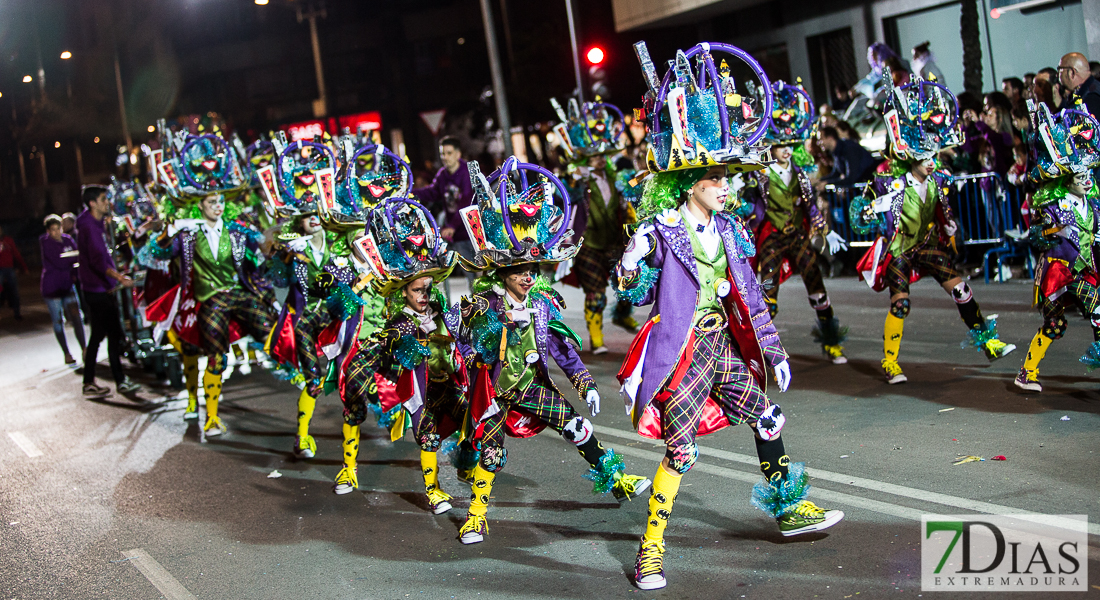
(183,225)
(298,244)
(522,316)
(950,228)
(638,249)
(593,400)
(277,306)
(783,375)
(836,243)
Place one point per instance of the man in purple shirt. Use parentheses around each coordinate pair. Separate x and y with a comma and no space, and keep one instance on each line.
(451,191)
(97,270)
(59,256)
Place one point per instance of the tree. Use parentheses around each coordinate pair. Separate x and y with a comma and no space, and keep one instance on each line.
(972,47)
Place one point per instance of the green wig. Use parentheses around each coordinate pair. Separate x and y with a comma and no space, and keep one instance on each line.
(665,190)
(1056,189)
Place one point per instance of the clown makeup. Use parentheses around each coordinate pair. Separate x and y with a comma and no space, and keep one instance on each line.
(709,194)
(782,155)
(1080,184)
(923,169)
(518,282)
(310,225)
(418,293)
(212,208)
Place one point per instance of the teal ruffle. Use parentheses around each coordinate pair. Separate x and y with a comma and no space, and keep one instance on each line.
(981,336)
(1091,358)
(829,333)
(777,500)
(647,278)
(603,474)
(409,352)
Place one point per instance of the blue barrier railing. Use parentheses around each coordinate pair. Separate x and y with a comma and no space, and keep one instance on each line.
(988,213)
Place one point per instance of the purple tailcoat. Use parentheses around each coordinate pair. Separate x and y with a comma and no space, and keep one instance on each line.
(1068,248)
(670,296)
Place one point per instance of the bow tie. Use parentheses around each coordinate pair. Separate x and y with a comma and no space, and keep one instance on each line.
(699,228)
(425,320)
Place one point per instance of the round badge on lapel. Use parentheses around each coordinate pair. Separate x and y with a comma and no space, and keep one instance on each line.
(722,287)
(531,357)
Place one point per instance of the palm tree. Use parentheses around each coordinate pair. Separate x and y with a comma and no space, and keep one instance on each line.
(972,47)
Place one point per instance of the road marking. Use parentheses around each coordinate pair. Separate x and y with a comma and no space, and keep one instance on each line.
(24,444)
(870,484)
(157,575)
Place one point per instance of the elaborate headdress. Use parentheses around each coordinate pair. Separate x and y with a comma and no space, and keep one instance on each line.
(371,175)
(200,165)
(588,129)
(514,220)
(130,199)
(302,178)
(402,245)
(921,118)
(792,115)
(1061,144)
(698,119)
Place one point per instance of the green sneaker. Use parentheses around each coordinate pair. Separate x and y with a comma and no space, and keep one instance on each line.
(629,487)
(806,517)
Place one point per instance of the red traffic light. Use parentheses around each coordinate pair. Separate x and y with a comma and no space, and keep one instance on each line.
(595,55)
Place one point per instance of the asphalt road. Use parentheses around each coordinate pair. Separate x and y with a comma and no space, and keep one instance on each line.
(115,499)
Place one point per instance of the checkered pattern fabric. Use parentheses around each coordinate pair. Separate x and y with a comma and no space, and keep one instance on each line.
(795,247)
(1081,293)
(932,260)
(255,314)
(540,399)
(444,399)
(717,371)
(309,326)
(593,267)
(360,389)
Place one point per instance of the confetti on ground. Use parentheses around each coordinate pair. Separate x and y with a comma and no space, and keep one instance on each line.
(999,457)
(274,475)
(1064,418)
(947,409)
(967,459)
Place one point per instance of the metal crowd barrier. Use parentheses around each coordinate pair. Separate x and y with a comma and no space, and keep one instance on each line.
(988,213)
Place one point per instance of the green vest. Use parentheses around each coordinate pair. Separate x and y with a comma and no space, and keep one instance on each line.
(781,210)
(441,362)
(213,274)
(603,228)
(314,269)
(918,219)
(711,270)
(1085,237)
(515,373)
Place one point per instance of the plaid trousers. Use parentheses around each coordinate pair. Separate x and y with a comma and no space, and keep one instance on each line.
(934,261)
(1079,292)
(593,267)
(360,388)
(716,371)
(795,247)
(310,324)
(540,399)
(255,314)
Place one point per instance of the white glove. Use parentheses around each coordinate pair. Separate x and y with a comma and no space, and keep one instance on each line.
(522,316)
(836,243)
(183,225)
(298,244)
(638,249)
(277,306)
(593,400)
(950,228)
(783,375)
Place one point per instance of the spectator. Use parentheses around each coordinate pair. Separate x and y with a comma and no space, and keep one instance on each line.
(59,257)
(840,98)
(990,138)
(1029,78)
(851,162)
(1050,74)
(1094,68)
(68,224)
(1043,91)
(96,271)
(1013,87)
(9,287)
(1075,76)
(846,131)
(1017,174)
(924,64)
(449,192)
(898,72)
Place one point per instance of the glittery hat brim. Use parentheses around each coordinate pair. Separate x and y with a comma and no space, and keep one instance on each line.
(491,259)
(438,274)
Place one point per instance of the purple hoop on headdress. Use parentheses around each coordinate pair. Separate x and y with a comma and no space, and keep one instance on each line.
(387,216)
(588,107)
(943,88)
(298,146)
(723,116)
(217,140)
(780,86)
(257,147)
(513,164)
(351,177)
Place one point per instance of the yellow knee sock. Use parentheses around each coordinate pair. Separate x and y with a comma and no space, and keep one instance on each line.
(351,445)
(480,491)
(595,327)
(665,486)
(891,337)
(212,385)
(191,381)
(429,465)
(306,404)
(1037,351)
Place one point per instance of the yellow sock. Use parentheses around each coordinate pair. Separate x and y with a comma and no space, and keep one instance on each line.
(212,385)
(595,327)
(351,445)
(1037,351)
(480,491)
(429,465)
(891,337)
(306,404)
(191,381)
(665,486)
(251,354)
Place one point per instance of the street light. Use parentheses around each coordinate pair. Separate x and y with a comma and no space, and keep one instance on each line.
(66,55)
(27,79)
(151,129)
(261,2)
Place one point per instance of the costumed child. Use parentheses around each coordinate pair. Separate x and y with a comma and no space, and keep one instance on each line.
(415,349)
(909,206)
(699,366)
(514,326)
(1065,229)
(222,294)
(591,134)
(316,265)
(780,207)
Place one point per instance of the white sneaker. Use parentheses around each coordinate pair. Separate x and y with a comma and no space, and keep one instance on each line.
(190,416)
(600,350)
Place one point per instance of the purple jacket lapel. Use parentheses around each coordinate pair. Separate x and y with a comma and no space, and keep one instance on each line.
(678,240)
